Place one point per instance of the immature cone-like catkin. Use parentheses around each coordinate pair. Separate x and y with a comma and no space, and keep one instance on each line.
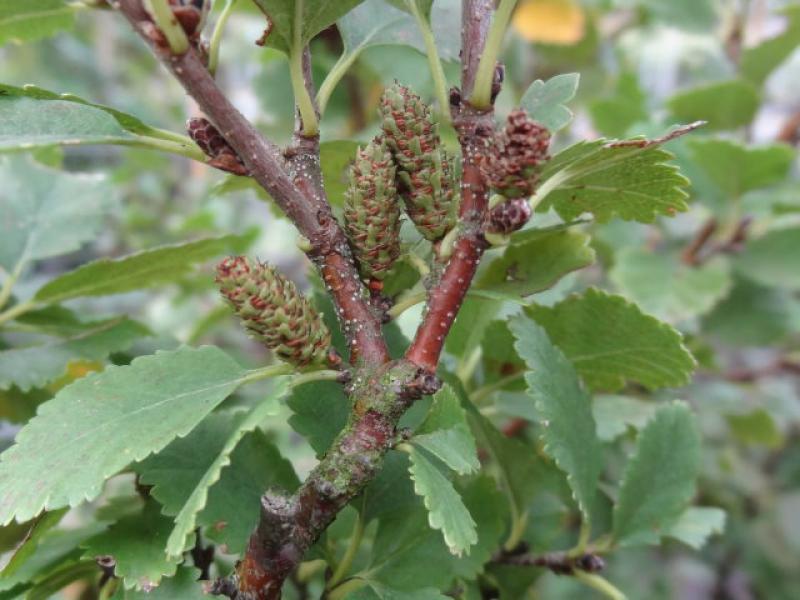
(424,172)
(372,212)
(514,167)
(272,309)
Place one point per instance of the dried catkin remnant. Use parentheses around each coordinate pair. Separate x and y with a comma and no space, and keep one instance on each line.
(211,142)
(514,165)
(372,211)
(509,216)
(273,311)
(425,174)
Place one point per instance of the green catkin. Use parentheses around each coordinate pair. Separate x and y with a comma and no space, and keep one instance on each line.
(273,311)
(372,212)
(425,174)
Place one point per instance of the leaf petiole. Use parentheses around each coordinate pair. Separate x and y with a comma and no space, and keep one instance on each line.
(601,584)
(301,96)
(216,36)
(482,90)
(349,555)
(434,62)
(169,26)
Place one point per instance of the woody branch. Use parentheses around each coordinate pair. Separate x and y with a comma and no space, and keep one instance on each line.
(382,389)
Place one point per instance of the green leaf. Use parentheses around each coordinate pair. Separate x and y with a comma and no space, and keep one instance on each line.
(408,555)
(446,510)
(29,21)
(610,342)
(771,260)
(518,468)
(686,14)
(445,433)
(379,23)
(335,159)
(629,179)
(724,105)
(659,479)
(759,61)
(44,212)
(424,6)
(696,524)
(569,431)
(56,547)
(320,412)
(737,169)
(544,101)
(104,421)
(378,591)
(232,511)
(184,471)
(184,585)
(756,428)
(31,117)
(137,544)
(752,315)
(158,266)
(614,414)
(614,115)
(535,261)
(27,546)
(35,366)
(668,289)
(295,22)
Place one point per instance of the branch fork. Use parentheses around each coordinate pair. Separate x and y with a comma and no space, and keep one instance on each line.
(381,390)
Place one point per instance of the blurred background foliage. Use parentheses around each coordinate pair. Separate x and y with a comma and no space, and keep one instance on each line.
(726,273)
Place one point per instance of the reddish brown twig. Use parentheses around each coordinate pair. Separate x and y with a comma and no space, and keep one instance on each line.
(699,250)
(560,563)
(691,254)
(475,128)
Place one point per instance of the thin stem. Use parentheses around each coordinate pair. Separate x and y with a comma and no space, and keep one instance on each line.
(287,369)
(519,522)
(171,136)
(169,26)
(583,539)
(267,372)
(216,37)
(435,64)
(467,365)
(479,396)
(17,310)
(418,263)
(481,97)
(406,302)
(601,584)
(322,375)
(333,78)
(109,589)
(178,148)
(302,98)
(341,591)
(349,554)
(8,284)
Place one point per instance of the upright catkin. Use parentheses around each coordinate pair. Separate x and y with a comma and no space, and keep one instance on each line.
(425,174)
